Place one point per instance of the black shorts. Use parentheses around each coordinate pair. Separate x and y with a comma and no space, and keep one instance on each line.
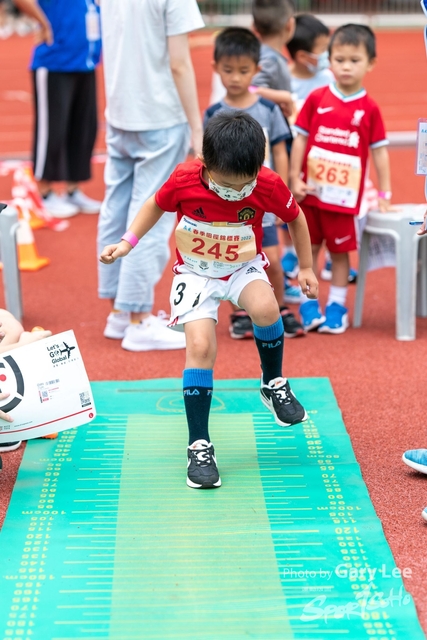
(65,125)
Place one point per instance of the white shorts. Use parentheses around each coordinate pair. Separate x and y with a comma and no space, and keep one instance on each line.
(194,297)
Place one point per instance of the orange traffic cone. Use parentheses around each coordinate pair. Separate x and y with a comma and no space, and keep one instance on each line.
(25,210)
(28,258)
(25,193)
(25,189)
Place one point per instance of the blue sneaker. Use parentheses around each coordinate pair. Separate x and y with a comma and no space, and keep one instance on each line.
(326,273)
(290,264)
(336,319)
(311,315)
(417,459)
(292,293)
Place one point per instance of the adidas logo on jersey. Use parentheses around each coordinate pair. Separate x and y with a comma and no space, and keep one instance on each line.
(199,212)
(252,270)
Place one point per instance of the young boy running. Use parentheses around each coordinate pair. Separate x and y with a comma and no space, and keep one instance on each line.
(337,126)
(236,57)
(220,202)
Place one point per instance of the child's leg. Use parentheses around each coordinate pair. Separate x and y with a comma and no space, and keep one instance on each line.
(258,299)
(276,276)
(336,312)
(202,470)
(275,272)
(339,282)
(340,269)
(340,233)
(198,376)
(276,393)
(310,311)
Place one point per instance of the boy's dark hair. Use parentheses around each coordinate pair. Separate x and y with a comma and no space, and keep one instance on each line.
(270,16)
(307,29)
(237,41)
(355,34)
(233,143)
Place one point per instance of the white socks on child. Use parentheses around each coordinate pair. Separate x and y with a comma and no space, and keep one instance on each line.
(338,295)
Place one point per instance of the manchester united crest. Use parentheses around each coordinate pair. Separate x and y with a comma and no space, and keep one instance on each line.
(246,214)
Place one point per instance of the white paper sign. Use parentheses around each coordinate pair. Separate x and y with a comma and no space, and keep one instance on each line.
(49,388)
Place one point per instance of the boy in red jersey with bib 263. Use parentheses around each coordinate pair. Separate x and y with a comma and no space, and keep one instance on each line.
(220,201)
(338,126)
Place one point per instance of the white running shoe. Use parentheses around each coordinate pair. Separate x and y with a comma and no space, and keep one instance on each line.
(57,207)
(152,334)
(83,202)
(117,323)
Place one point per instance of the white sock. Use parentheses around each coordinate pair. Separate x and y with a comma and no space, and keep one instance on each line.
(338,295)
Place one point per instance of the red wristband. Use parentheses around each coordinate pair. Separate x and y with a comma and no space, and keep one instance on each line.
(131,238)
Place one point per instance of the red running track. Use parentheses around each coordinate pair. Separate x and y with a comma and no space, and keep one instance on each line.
(379,382)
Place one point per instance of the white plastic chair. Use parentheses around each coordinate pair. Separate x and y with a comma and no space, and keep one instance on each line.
(411,266)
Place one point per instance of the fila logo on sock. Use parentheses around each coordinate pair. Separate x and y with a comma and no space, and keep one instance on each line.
(194,392)
(269,345)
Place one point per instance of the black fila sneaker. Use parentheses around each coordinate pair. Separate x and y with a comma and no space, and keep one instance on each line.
(280,400)
(202,472)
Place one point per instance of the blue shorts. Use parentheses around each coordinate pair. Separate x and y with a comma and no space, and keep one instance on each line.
(270,236)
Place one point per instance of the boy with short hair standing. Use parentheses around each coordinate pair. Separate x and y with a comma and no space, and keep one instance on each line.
(220,201)
(274,24)
(337,126)
(308,49)
(236,57)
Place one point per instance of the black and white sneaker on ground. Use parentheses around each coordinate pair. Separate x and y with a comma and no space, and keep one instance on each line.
(291,327)
(241,325)
(277,396)
(202,472)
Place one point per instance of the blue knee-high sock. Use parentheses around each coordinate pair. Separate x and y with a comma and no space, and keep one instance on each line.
(198,385)
(269,341)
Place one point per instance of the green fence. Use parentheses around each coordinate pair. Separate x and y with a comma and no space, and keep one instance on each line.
(233,7)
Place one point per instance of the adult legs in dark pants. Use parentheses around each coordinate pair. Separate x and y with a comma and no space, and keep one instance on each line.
(64,137)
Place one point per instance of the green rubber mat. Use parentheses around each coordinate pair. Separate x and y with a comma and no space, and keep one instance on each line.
(104,540)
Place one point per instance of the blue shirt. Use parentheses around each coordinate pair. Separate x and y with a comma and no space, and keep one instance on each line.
(71,50)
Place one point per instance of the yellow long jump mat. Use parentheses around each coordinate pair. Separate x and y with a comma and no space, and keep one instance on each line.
(104,540)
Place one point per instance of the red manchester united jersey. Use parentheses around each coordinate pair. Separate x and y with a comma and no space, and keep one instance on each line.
(340,131)
(187,193)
